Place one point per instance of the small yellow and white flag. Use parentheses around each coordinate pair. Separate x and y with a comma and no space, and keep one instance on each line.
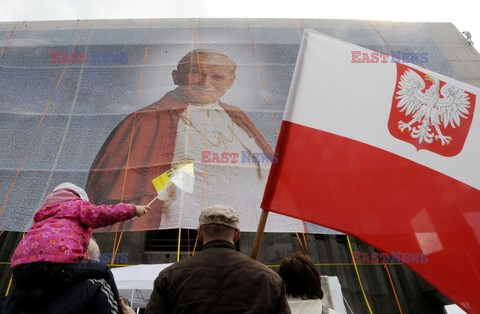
(181,176)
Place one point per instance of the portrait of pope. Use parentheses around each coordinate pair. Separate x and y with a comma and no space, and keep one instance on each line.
(186,124)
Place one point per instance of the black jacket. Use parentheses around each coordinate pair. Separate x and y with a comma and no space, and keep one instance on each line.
(89,296)
(218,280)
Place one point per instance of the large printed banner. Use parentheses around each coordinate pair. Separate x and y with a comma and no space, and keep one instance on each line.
(111,105)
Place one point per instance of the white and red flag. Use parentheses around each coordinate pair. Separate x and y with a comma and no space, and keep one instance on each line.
(388,152)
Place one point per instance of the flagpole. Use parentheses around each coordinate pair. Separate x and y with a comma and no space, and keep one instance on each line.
(136,218)
(259,234)
(152,201)
(179,242)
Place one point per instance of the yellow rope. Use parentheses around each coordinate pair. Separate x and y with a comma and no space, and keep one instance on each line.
(114,243)
(11,276)
(114,253)
(358,275)
(9,285)
(179,238)
(121,265)
(188,242)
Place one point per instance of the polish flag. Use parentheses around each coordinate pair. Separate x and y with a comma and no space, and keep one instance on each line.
(387,152)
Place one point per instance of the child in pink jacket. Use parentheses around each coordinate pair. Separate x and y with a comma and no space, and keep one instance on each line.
(53,252)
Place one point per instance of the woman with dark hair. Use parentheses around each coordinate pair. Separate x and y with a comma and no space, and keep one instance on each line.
(302,281)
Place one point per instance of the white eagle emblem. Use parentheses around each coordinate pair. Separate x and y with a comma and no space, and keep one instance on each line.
(429,109)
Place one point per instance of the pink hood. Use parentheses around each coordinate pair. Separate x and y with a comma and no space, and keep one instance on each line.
(54,198)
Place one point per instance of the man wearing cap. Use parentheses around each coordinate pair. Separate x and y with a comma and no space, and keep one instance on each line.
(218,279)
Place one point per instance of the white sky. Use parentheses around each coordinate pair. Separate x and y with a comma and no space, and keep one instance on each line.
(460,12)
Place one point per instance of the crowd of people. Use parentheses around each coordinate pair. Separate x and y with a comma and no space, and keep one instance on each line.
(56,268)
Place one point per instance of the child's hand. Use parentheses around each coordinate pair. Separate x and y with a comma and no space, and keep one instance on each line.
(141,210)
(125,309)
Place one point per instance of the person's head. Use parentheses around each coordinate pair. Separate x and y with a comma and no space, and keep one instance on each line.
(93,251)
(218,222)
(301,278)
(72,187)
(204,75)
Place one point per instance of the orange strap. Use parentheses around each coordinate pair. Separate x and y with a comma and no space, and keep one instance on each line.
(393,288)
(195,246)
(305,242)
(301,244)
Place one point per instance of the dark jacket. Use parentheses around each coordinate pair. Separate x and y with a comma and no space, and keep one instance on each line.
(89,296)
(218,280)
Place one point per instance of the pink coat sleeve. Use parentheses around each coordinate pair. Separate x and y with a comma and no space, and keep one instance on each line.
(104,215)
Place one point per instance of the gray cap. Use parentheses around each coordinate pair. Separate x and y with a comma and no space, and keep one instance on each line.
(220,215)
